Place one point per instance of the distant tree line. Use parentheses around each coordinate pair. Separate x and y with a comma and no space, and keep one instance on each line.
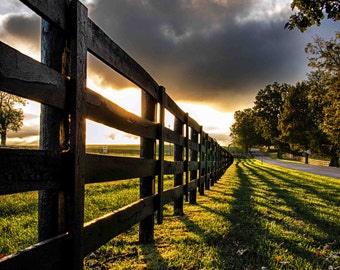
(300,118)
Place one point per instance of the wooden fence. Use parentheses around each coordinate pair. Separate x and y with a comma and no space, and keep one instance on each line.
(60,169)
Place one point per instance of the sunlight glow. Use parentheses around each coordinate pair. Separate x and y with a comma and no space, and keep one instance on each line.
(265,10)
(128,98)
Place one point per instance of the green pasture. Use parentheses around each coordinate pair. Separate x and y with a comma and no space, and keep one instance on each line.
(257,216)
(128,150)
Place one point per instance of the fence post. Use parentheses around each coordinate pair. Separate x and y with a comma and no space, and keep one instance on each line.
(76,183)
(205,171)
(186,156)
(147,184)
(161,154)
(51,212)
(193,174)
(209,164)
(202,162)
(178,156)
(213,162)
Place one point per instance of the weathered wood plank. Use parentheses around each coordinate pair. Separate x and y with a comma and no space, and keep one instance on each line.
(49,254)
(178,156)
(193,165)
(52,10)
(172,137)
(147,184)
(161,154)
(23,76)
(173,108)
(194,125)
(173,167)
(100,168)
(108,113)
(100,45)
(193,146)
(28,170)
(101,230)
(192,187)
(53,135)
(77,91)
(173,194)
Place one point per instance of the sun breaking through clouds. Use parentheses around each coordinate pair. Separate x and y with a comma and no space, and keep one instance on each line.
(216,53)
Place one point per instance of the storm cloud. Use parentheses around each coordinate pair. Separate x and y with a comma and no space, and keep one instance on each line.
(216,52)
(21,26)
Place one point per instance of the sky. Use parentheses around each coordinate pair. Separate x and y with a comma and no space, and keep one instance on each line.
(212,56)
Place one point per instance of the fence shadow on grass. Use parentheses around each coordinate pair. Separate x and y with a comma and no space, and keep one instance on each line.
(297,207)
(265,208)
(153,258)
(295,196)
(304,211)
(237,244)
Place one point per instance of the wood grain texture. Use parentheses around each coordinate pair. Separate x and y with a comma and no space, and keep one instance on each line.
(100,168)
(28,170)
(103,111)
(47,254)
(28,78)
(101,230)
(52,10)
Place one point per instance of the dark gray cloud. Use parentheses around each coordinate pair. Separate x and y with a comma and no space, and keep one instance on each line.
(218,52)
(203,50)
(25,27)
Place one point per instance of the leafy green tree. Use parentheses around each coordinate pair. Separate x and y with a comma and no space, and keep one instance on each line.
(295,123)
(11,118)
(268,107)
(243,130)
(320,143)
(325,60)
(312,12)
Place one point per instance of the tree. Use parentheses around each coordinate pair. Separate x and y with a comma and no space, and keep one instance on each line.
(268,107)
(11,118)
(295,123)
(312,12)
(325,61)
(320,143)
(243,130)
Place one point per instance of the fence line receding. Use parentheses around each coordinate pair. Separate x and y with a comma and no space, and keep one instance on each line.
(61,168)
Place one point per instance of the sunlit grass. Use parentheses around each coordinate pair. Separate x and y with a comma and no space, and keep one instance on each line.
(257,216)
(19,212)
(18,221)
(103,198)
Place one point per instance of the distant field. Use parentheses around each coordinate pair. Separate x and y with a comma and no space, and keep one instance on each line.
(130,150)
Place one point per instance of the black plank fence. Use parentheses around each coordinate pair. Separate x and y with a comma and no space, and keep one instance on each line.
(61,168)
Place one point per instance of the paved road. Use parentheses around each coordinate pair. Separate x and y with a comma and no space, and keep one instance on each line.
(319,170)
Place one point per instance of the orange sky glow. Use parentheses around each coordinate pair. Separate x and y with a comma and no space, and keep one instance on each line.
(212,56)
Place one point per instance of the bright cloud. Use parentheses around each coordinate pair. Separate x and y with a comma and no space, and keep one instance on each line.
(265,11)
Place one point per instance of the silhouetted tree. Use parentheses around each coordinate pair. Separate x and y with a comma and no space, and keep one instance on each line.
(243,130)
(11,118)
(268,107)
(312,12)
(295,122)
(325,80)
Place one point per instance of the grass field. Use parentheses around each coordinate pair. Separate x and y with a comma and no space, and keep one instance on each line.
(257,216)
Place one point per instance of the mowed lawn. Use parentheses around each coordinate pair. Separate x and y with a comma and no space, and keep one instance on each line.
(257,216)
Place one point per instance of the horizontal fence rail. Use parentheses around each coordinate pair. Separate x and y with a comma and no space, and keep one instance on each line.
(61,168)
